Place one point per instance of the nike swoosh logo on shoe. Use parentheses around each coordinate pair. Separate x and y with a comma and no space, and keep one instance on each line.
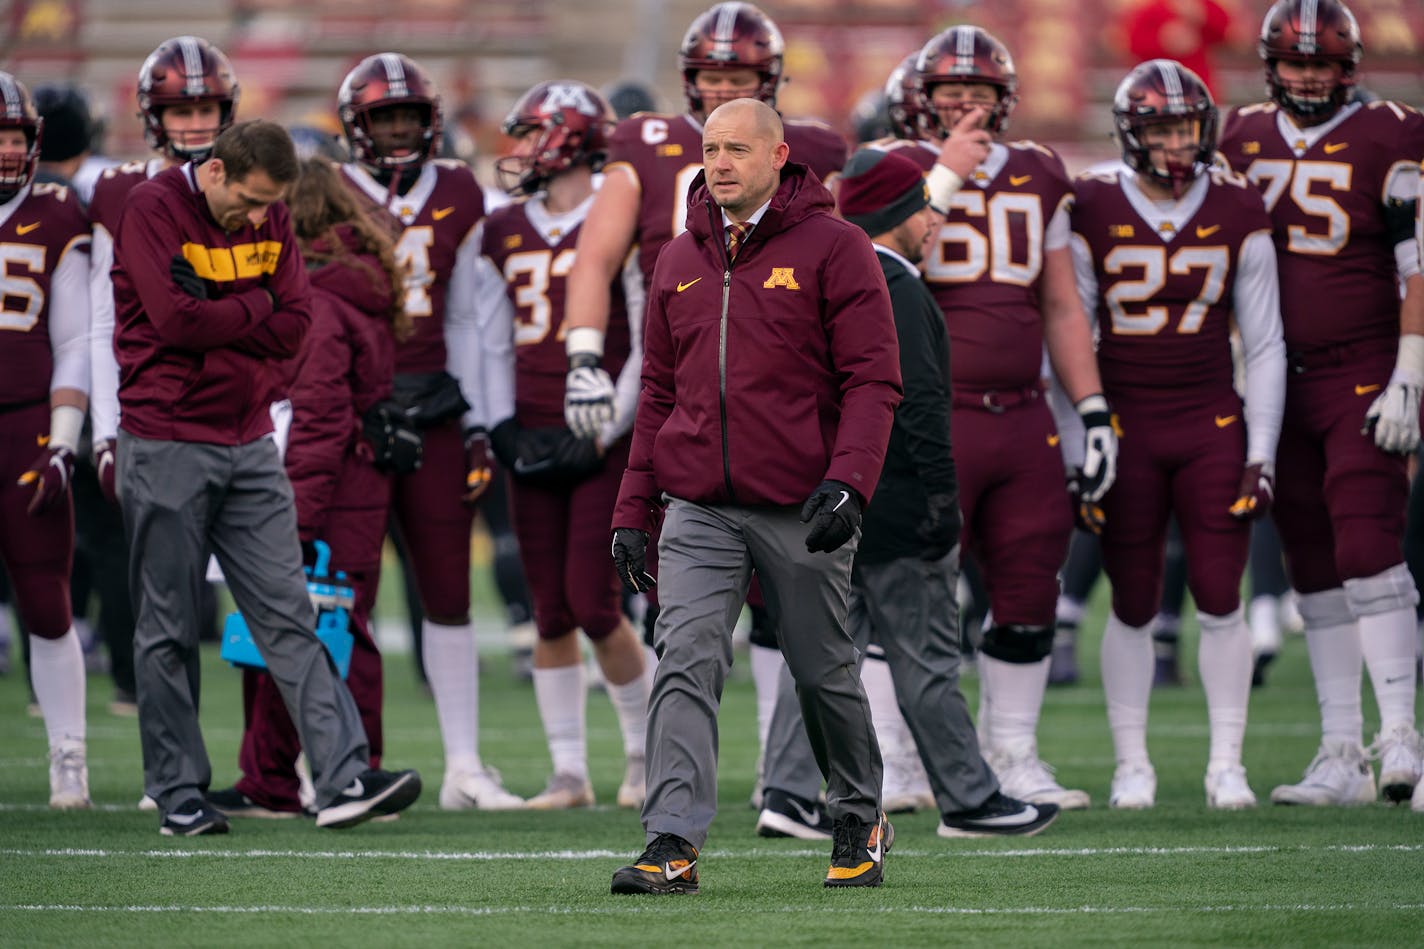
(672,873)
(357,789)
(1027,816)
(186,820)
(879,851)
(811,818)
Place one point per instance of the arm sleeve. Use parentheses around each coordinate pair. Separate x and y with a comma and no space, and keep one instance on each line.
(147,241)
(923,415)
(1403,185)
(1087,279)
(494,346)
(1256,299)
(1059,230)
(103,364)
(69,317)
(462,358)
(625,399)
(864,355)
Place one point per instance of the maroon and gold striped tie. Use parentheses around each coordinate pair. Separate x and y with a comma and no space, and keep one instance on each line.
(736,236)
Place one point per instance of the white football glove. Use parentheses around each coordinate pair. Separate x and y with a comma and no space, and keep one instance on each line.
(1394,416)
(588,397)
(1099,449)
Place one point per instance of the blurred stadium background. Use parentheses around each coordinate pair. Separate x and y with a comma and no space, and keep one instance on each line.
(290,56)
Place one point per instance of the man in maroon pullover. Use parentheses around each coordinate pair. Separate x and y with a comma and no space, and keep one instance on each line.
(210,293)
(770,378)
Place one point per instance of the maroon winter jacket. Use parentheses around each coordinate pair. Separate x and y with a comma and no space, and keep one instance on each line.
(201,370)
(764,378)
(345,367)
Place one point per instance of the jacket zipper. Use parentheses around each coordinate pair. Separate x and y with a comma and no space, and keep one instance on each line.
(722,379)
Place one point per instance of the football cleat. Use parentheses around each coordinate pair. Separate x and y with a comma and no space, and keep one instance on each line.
(1023,775)
(999,816)
(563,792)
(68,777)
(634,789)
(194,819)
(858,851)
(1227,790)
(372,794)
(1340,774)
(233,803)
(786,815)
(1134,787)
(668,865)
(480,790)
(1398,753)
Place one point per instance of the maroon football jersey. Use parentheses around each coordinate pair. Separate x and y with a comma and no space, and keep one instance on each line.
(434,217)
(41,228)
(1326,199)
(112,190)
(665,154)
(985,267)
(1165,293)
(535,260)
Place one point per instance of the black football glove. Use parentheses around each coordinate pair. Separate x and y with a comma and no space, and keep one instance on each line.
(630,559)
(1087,515)
(395,443)
(833,511)
(51,475)
(187,278)
(940,529)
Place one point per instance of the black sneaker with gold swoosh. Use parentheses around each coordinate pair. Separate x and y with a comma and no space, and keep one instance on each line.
(668,865)
(858,851)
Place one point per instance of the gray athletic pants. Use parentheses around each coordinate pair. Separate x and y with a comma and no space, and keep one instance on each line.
(181,501)
(705,558)
(908,608)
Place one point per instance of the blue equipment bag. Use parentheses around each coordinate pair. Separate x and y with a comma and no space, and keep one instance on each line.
(331,598)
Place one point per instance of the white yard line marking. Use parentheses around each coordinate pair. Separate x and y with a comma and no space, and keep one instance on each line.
(754,853)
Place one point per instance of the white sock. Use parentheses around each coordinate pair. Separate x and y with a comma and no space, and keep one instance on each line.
(57,670)
(890,729)
(630,704)
(1335,663)
(1387,642)
(560,693)
(1127,685)
(1265,625)
(1017,694)
(766,676)
(452,667)
(1224,664)
(1069,610)
(984,718)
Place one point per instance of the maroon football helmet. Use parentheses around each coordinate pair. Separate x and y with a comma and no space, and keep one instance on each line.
(573,121)
(1310,31)
(1157,92)
(732,36)
(17,110)
(379,82)
(186,70)
(904,100)
(967,54)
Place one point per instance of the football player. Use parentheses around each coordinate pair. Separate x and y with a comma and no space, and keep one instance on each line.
(1168,252)
(563,487)
(1339,178)
(44,383)
(187,94)
(390,113)
(1003,274)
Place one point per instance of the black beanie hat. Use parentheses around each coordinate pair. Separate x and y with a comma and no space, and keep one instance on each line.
(880,189)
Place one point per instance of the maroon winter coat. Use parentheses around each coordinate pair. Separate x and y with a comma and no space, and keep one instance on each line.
(201,370)
(764,378)
(345,367)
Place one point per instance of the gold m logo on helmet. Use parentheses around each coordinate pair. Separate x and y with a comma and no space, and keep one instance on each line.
(782,277)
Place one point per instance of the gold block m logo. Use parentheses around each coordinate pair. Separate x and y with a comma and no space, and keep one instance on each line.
(782,277)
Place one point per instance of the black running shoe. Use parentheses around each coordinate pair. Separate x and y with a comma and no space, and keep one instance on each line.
(1000,816)
(193,819)
(786,815)
(669,865)
(858,851)
(372,794)
(234,803)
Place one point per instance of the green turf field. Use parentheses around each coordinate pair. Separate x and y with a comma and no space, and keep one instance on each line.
(1177,874)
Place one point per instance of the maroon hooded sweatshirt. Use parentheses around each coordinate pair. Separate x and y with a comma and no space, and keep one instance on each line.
(202,370)
(764,376)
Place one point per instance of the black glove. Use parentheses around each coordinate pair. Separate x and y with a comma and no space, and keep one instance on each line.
(833,510)
(1087,515)
(940,530)
(554,457)
(395,442)
(630,559)
(187,278)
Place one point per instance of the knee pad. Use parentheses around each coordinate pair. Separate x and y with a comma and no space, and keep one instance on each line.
(1211,623)
(1326,608)
(1019,645)
(1393,589)
(763,628)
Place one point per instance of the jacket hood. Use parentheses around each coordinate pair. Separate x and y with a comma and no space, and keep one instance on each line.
(356,277)
(800,195)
